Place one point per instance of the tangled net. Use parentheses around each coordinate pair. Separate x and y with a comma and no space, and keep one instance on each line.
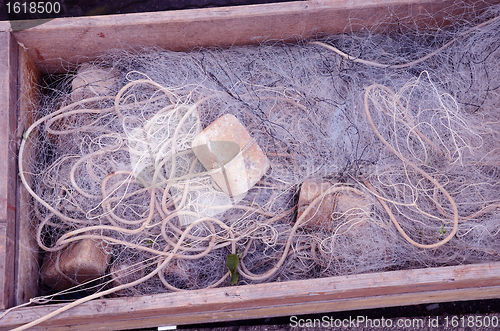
(412,147)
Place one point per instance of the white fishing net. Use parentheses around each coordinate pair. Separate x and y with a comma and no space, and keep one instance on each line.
(403,143)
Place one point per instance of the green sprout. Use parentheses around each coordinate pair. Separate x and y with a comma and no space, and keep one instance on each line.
(232,262)
(442,230)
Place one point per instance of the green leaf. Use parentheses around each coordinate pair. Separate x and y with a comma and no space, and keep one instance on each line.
(232,262)
(234,278)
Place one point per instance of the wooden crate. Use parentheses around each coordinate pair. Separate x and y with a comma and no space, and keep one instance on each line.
(60,44)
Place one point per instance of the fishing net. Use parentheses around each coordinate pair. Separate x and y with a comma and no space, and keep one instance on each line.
(355,153)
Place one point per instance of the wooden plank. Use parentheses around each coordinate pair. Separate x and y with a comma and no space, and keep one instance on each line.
(382,289)
(8,118)
(54,48)
(4,26)
(27,251)
(6,264)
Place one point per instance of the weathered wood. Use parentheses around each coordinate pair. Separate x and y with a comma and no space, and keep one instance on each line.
(61,43)
(54,48)
(5,26)
(8,118)
(382,289)
(27,264)
(6,264)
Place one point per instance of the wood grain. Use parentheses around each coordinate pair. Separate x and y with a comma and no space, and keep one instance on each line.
(8,118)
(4,26)
(27,251)
(382,289)
(59,44)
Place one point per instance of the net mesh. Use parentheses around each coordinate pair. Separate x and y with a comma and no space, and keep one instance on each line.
(404,144)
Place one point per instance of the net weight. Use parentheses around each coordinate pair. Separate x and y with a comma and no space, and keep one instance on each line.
(471,321)
(33,7)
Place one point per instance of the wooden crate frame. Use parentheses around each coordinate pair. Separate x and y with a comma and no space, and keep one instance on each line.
(60,44)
